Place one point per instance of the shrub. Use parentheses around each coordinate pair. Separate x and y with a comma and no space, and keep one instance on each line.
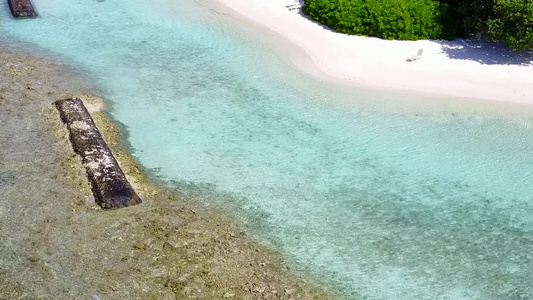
(512,23)
(387,19)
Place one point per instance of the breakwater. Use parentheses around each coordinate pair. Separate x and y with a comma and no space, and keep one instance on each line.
(110,187)
(22,9)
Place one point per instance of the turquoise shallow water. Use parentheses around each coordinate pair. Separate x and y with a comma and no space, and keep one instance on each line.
(376,198)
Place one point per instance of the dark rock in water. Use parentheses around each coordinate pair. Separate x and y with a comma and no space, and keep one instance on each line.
(22,9)
(110,187)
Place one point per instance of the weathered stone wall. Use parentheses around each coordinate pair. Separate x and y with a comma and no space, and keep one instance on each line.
(110,187)
(22,9)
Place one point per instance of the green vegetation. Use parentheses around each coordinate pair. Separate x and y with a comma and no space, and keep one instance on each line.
(508,21)
(512,23)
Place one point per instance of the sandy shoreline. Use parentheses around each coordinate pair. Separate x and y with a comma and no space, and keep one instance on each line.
(446,68)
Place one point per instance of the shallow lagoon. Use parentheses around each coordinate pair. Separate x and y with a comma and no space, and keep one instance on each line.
(378,196)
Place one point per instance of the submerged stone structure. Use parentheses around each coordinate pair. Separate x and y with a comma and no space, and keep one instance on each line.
(109,185)
(22,9)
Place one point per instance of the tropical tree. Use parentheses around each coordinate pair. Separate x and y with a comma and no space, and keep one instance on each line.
(512,23)
(508,21)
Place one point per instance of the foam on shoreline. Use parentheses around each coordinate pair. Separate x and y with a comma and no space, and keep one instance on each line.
(447,68)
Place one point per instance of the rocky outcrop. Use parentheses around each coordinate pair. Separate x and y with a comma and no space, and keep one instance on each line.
(22,9)
(110,187)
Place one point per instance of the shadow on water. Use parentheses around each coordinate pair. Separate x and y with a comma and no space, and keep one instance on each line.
(486,53)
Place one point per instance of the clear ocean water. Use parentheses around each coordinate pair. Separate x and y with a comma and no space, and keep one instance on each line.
(376,196)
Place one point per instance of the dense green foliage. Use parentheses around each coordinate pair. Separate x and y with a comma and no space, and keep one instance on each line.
(512,23)
(390,19)
(509,21)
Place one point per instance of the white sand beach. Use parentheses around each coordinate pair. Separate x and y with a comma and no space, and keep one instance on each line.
(446,68)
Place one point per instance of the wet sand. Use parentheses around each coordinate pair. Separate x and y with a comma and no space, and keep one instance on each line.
(58,244)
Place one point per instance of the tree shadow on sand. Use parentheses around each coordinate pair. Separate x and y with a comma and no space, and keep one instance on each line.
(474,49)
(486,53)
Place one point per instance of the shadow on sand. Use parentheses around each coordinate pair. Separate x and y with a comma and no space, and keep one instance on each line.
(474,49)
(486,53)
